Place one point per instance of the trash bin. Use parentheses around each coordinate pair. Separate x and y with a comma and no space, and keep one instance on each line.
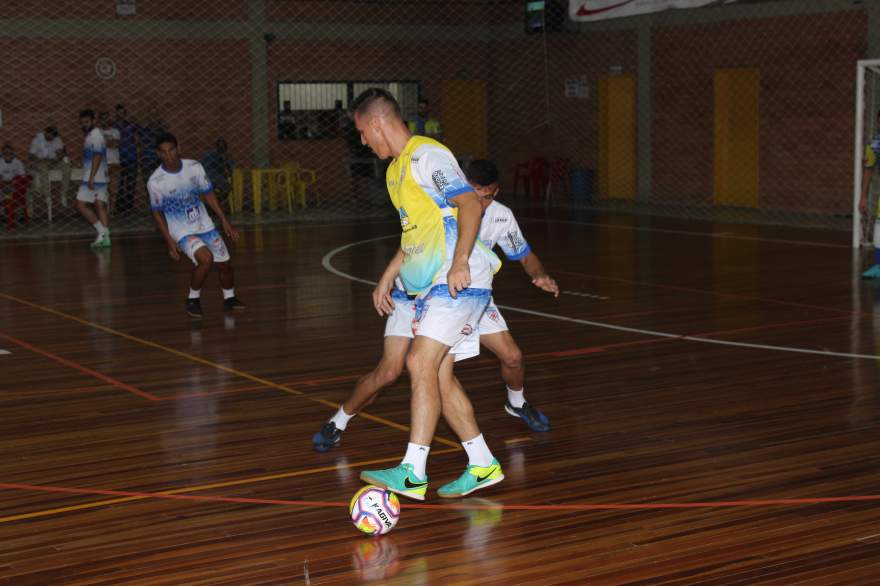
(581,181)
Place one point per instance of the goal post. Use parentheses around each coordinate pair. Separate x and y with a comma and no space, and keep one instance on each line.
(866,128)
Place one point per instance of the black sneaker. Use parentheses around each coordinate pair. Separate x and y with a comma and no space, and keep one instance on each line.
(232,304)
(328,438)
(536,420)
(194,308)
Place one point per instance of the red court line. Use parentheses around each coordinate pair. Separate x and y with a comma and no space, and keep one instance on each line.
(453,506)
(84,369)
(710,292)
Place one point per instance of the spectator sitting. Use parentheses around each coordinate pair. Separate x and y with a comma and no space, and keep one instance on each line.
(48,154)
(14,183)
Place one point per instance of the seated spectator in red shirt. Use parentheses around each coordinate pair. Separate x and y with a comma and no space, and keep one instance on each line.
(14,183)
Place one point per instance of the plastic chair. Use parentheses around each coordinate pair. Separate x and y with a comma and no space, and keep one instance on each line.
(300,181)
(533,175)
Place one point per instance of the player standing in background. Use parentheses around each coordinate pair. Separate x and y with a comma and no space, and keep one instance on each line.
(93,189)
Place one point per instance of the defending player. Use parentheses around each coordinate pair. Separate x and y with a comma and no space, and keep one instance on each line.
(498,226)
(178,191)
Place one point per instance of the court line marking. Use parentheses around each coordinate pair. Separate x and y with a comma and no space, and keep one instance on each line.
(4,352)
(587,295)
(714,293)
(327,264)
(84,369)
(230,370)
(714,235)
(129,496)
(136,496)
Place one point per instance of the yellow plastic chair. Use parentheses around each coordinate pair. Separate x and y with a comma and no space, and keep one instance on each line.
(301,179)
(236,197)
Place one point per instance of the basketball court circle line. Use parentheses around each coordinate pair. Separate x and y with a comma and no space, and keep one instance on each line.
(328,265)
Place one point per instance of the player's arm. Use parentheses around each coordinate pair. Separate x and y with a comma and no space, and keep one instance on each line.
(535,269)
(469,211)
(173,249)
(96,163)
(382,293)
(212,202)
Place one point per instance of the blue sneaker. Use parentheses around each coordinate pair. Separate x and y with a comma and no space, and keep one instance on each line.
(536,420)
(872,273)
(399,479)
(473,478)
(327,438)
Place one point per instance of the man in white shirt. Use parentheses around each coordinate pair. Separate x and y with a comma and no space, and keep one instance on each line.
(14,183)
(179,189)
(48,153)
(93,189)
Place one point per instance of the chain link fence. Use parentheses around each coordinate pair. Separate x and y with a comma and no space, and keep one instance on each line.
(739,112)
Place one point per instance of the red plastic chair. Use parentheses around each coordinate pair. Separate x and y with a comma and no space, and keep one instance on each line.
(533,176)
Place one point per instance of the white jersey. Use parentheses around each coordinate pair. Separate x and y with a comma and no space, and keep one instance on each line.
(10,169)
(499,226)
(112,152)
(95,145)
(179,196)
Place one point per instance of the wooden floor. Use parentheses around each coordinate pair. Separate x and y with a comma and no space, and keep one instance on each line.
(713,392)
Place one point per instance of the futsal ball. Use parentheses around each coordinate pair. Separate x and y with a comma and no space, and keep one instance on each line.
(374,510)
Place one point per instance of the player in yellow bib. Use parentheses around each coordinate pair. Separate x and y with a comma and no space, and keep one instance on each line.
(441,263)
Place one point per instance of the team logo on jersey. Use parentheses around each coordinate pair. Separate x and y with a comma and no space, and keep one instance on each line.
(440,180)
(492,314)
(516,240)
(467,330)
(404,217)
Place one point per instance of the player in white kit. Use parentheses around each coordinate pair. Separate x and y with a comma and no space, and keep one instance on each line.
(93,189)
(179,189)
(498,226)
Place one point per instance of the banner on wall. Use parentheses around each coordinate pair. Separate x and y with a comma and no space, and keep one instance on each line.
(589,10)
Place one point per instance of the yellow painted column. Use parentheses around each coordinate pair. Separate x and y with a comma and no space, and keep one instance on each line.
(737,129)
(617,136)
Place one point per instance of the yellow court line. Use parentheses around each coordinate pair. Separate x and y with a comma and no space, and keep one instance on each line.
(199,360)
(188,489)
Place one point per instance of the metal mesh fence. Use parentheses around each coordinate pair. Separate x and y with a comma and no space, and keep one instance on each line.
(738,112)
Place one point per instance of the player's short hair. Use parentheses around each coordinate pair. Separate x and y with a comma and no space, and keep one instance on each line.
(372,97)
(7,146)
(165,137)
(482,172)
(51,130)
(87,113)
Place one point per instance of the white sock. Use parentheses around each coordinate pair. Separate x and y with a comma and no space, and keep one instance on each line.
(99,228)
(227,293)
(417,456)
(195,293)
(341,418)
(478,452)
(516,398)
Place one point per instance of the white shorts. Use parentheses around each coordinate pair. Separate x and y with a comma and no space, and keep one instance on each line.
(90,195)
(400,322)
(190,244)
(492,322)
(453,322)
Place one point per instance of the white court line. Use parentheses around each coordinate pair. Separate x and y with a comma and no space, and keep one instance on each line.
(587,295)
(2,352)
(327,264)
(717,235)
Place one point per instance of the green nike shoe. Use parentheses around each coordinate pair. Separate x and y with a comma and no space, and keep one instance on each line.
(474,478)
(399,479)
